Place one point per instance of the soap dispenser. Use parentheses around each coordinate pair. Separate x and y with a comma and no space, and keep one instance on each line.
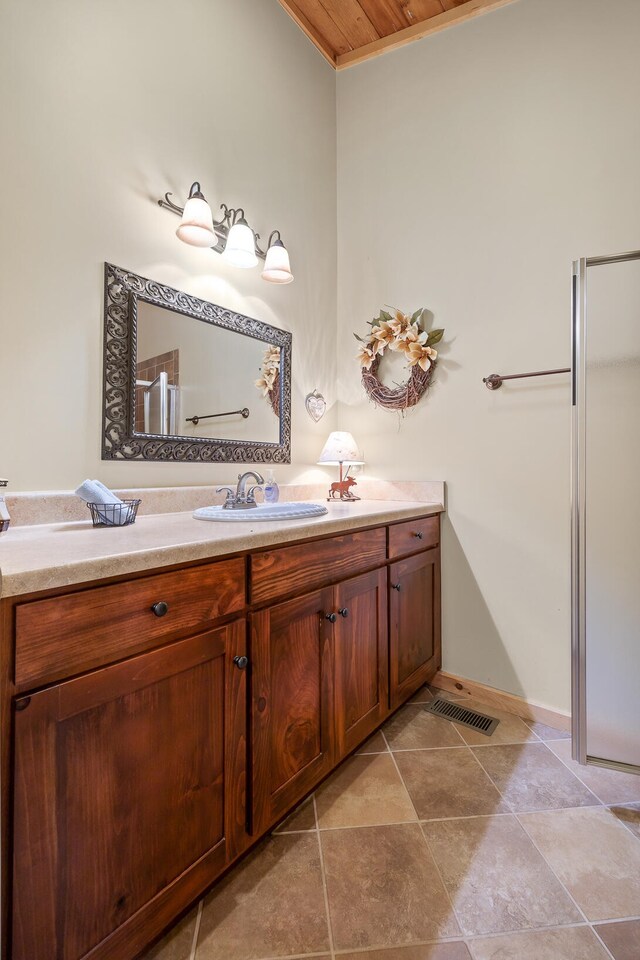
(5,519)
(271,489)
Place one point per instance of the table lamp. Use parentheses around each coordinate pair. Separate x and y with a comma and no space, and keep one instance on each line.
(339,449)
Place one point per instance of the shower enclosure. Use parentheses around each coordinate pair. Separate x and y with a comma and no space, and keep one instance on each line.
(160,405)
(606,511)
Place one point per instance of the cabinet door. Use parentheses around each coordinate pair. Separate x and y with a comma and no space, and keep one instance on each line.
(292,744)
(361,658)
(129,797)
(414,611)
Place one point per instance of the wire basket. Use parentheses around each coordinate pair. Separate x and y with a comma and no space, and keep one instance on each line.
(114,514)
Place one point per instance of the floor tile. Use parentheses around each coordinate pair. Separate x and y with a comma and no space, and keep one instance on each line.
(375,744)
(496,878)
(448,783)
(384,888)
(271,905)
(363,792)
(571,943)
(547,733)
(455,950)
(302,818)
(610,786)
(412,728)
(424,695)
(530,777)
(629,815)
(511,729)
(622,939)
(178,942)
(594,855)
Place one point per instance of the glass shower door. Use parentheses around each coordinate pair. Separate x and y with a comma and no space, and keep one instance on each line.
(606,511)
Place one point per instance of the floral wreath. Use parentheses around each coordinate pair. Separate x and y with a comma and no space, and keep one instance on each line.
(406,335)
(269,380)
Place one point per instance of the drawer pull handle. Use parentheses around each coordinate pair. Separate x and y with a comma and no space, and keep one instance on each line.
(241,662)
(331,617)
(344,612)
(395,586)
(160,608)
(418,535)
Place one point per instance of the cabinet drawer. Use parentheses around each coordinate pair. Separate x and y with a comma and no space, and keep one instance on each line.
(61,636)
(413,535)
(289,570)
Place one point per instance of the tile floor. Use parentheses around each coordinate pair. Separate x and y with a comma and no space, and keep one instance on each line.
(436,843)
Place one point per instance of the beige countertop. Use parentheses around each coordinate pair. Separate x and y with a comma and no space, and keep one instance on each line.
(42,557)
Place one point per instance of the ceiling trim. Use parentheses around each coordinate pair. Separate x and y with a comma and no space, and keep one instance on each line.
(450,18)
(468,10)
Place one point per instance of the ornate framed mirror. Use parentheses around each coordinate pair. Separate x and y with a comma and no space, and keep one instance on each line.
(187,381)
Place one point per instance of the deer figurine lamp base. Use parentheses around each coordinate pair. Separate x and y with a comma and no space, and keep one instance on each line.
(341,449)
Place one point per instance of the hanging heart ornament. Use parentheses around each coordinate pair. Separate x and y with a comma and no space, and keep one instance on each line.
(316,405)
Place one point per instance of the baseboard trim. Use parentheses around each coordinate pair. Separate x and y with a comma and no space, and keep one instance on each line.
(502,700)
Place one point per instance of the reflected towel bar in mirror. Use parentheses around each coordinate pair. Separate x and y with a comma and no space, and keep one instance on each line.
(495,379)
(208,416)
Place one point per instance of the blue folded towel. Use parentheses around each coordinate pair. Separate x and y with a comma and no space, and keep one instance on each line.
(92,491)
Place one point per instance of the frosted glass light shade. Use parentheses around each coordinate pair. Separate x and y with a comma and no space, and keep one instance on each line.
(240,249)
(277,268)
(196,226)
(340,448)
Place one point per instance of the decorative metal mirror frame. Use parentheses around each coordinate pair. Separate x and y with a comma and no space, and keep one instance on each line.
(122,292)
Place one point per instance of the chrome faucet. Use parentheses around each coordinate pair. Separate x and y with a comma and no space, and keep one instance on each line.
(240,499)
(5,519)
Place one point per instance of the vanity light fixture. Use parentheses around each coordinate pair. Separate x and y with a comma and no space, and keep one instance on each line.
(231,236)
(196,226)
(277,268)
(240,248)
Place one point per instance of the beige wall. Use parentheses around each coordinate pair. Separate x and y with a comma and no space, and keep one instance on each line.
(472,168)
(105,107)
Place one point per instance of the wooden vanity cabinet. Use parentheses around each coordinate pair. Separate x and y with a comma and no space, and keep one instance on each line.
(414,623)
(319,680)
(361,652)
(292,742)
(161,725)
(129,797)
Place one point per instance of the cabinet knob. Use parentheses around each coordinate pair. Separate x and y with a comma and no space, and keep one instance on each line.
(241,662)
(395,586)
(344,612)
(160,608)
(418,535)
(331,617)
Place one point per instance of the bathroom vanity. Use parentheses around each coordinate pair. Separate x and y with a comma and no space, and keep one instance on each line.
(157,722)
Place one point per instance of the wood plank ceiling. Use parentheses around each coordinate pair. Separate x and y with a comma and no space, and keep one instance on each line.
(349,31)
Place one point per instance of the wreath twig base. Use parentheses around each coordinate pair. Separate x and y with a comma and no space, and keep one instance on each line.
(397,398)
(274,395)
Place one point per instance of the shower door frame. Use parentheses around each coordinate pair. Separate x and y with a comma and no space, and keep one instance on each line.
(578,511)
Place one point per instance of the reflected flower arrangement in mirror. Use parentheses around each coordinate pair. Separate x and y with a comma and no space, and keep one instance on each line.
(269,380)
(406,335)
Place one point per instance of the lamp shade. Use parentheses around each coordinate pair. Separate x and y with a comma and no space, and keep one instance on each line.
(196,226)
(277,268)
(340,448)
(240,249)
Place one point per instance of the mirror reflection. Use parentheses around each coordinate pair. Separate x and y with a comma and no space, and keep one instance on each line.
(188,381)
(195,380)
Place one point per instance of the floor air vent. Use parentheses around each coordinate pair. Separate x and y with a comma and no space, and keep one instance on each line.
(460,714)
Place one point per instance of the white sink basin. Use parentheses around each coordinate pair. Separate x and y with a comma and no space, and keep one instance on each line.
(264,511)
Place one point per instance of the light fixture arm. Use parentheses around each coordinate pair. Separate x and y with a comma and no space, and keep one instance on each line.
(230,216)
